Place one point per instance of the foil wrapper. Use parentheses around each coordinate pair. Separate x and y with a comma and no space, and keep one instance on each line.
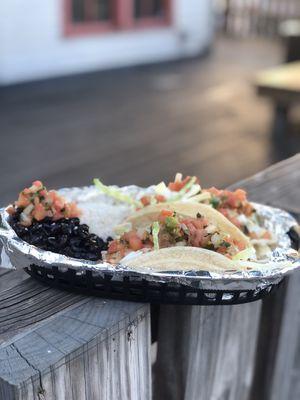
(15,253)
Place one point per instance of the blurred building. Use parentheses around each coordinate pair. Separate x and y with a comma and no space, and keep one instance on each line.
(40,39)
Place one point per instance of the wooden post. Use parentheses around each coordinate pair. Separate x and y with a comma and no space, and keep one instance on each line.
(60,346)
(211,352)
(227,352)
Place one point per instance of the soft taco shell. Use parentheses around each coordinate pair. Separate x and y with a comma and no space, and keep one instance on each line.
(191,259)
(144,217)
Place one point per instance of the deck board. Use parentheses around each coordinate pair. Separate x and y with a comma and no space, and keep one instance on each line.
(141,125)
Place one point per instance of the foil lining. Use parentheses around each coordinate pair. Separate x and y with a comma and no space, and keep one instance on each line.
(15,253)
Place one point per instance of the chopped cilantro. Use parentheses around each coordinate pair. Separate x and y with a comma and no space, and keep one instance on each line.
(171,223)
(215,202)
(225,244)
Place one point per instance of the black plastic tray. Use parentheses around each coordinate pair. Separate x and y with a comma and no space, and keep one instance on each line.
(132,289)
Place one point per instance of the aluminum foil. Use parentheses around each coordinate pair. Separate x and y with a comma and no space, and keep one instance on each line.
(15,253)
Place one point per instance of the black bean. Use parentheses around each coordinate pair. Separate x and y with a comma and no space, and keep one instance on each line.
(64,236)
(75,221)
(36,239)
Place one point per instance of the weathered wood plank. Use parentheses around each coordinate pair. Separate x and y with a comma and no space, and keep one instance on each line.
(221,352)
(213,349)
(210,352)
(288,351)
(101,347)
(59,345)
(279,186)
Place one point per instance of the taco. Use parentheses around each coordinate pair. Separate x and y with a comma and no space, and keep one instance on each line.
(183,227)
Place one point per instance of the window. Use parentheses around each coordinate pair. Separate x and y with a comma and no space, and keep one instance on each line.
(151,12)
(149,8)
(88,16)
(91,10)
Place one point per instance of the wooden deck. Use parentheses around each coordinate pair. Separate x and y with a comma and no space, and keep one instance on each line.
(143,124)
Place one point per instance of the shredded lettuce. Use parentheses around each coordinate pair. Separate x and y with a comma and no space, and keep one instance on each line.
(188,185)
(201,197)
(155,232)
(161,188)
(185,190)
(194,190)
(245,254)
(116,194)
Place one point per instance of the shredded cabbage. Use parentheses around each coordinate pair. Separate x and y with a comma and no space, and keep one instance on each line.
(184,192)
(155,232)
(161,188)
(201,197)
(245,254)
(116,194)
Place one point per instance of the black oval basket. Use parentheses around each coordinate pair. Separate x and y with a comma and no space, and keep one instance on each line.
(133,289)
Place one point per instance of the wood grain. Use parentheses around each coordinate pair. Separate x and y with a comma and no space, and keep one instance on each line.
(279,186)
(228,352)
(57,345)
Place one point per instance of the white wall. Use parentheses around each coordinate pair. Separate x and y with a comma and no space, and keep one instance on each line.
(32,44)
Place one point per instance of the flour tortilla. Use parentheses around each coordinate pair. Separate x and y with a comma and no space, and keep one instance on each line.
(192,259)
(180,258)
(146,216)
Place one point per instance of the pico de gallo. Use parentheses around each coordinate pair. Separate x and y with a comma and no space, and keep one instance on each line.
(36,203)
(171,229)
(232,204)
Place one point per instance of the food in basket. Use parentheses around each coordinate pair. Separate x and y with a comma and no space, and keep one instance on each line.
(45,219)
(180,225)
(165,226)
(234,205)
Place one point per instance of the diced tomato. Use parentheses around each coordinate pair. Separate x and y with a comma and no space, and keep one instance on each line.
(267,235)
(214,191)
(23,201)
(222,250)
(198,223)
(146,200)
(224,211)
(199,238)
(240,245)
(74,210)
(37,184)
(134,241)
(39,212)
(231,201)
(51,196)
(36,200)
(175,186)
(59,203)
(115,246)
(247,209)
(45,204)
(164,214)
(178,185)
(160,198)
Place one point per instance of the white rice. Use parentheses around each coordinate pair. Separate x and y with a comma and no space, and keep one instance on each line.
(100,212)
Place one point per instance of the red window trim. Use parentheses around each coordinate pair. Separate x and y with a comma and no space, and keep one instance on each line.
(123,19)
